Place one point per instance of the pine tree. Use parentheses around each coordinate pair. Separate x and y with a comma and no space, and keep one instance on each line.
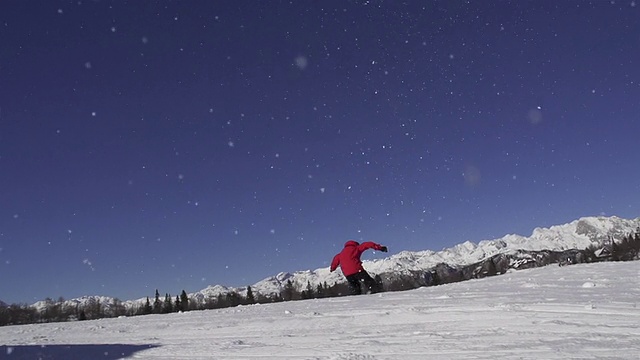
(178,305)
(309,290)
(184,301)
(147,309)
(233,299)
(157,304)
(167,307)
(250,298)
(287,292)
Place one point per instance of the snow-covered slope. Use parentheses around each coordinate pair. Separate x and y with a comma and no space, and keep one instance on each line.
(584,311)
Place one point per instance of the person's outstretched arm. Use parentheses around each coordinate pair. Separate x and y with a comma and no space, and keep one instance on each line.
(371,245)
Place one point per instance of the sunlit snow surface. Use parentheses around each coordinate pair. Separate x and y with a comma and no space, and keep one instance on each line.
(585,311)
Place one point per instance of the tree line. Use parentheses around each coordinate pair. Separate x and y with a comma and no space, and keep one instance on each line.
(61,311)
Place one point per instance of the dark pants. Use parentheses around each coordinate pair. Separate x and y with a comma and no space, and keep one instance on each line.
(355,280)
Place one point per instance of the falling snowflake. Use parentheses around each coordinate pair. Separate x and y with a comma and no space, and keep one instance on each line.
(535,116)
(301,62)
(89,264)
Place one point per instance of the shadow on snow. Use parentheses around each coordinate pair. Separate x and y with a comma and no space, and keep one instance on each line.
(59,352)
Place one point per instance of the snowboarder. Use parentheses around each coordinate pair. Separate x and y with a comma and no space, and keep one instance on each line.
(349,260)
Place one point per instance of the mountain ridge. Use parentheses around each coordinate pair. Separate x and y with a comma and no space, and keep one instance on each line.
(577,234)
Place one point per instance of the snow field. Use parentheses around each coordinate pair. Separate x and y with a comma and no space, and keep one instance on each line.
(543,313)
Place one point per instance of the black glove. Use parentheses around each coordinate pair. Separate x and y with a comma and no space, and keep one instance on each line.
(384,249)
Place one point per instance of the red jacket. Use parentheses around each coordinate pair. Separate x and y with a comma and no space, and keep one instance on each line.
(349,257)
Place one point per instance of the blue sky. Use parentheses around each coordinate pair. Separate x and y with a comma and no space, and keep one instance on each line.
(174,145)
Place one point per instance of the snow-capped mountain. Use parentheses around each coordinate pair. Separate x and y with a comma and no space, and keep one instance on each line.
(83,302)
(211,292)
(578,234)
